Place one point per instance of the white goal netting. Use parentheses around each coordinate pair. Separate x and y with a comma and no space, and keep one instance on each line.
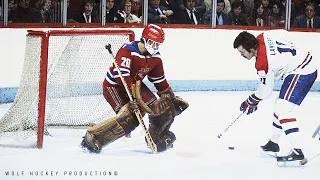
(76,66)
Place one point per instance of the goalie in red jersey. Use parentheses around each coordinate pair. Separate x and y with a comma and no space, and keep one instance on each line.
(136,60)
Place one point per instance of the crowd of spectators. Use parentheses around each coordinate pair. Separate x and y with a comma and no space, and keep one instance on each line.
(304,13)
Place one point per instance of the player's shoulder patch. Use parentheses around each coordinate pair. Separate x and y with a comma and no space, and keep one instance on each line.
(132,46)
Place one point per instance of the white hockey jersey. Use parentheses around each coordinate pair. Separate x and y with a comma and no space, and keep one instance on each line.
(277,59)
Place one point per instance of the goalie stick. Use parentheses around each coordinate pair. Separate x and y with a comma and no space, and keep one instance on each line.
(137,113)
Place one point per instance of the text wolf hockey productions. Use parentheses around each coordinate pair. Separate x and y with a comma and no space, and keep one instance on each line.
(39,173)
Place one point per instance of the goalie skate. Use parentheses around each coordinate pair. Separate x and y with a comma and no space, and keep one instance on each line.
(294,159)
(270,149)
(89,147)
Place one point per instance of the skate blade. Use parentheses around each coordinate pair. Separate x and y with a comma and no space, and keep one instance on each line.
(268,154)
(86,150)
(298,163)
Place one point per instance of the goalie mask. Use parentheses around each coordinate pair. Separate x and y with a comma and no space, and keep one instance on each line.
(153,37)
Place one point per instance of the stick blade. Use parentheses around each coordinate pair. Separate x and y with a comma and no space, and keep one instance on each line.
(316,132)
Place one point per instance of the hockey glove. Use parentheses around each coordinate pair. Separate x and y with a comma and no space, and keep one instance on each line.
(179,104)
(250,105)
(133,106)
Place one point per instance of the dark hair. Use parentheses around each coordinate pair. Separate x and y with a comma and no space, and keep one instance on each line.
(279,5)
(236,4)
(310,4)
(247,40)
(85,2)
(40,4)
(255,14)
(257,5)
(222,1)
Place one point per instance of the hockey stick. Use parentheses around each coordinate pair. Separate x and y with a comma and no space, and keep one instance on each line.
(316,132)
(137,113)
(226,129)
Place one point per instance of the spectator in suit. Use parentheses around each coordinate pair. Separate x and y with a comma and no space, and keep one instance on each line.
(72,16)
(222,19)
(175,6)
(317,5)
(227,5)
(88,15)
(307,20)
(158,14)
(199,7)
(189,15)
(236,15)
(12,6)
(24,13)
(113,15)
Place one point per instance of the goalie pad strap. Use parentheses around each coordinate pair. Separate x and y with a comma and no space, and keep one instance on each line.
(167,92)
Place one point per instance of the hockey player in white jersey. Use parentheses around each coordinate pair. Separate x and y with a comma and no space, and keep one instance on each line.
(278,60)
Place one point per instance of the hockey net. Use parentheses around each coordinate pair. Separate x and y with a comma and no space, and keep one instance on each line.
(61,83)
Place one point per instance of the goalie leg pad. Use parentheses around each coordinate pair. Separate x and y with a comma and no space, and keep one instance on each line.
(162,117)
(110,130)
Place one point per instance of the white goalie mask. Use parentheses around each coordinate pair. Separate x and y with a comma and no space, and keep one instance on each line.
(151,46)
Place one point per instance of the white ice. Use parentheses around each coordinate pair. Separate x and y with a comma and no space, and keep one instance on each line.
(197,154)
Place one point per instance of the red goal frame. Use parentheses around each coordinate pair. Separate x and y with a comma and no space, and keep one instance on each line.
(45,34)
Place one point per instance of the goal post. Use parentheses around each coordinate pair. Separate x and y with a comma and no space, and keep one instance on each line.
(61,83)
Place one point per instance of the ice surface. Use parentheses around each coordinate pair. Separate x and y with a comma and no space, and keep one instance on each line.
(197,154)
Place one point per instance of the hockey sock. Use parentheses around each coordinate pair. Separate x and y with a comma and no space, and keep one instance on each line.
(276,129)
(291,129)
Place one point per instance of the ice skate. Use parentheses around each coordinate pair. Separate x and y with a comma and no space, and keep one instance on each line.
(270,149)
(89,146)
(128,135)
(294,158)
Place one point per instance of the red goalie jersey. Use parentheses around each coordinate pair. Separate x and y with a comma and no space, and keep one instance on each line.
(136,66)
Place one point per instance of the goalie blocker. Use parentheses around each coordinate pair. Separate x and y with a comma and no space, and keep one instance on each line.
(161,115)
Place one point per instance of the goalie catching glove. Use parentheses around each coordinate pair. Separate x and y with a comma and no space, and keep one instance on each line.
(179,104)
(250,105)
